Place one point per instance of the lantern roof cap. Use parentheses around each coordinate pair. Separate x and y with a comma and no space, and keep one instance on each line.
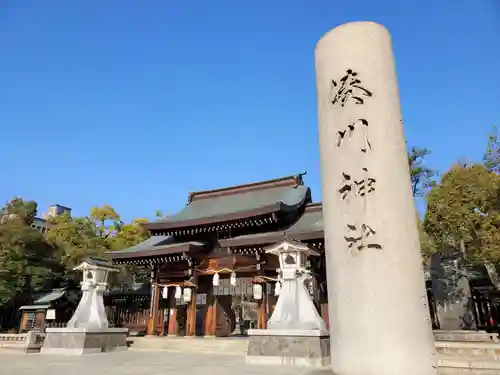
(96,263)
(288,244)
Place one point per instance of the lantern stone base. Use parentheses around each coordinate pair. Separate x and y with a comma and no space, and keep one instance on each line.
(288,347)
(78,341)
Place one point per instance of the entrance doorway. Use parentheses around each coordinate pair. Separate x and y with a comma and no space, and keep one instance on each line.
(200,321)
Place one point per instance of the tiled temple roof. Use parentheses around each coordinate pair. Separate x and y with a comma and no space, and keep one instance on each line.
(237,203)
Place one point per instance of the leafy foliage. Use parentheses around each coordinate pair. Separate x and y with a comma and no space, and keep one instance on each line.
(427,247)
(27,260)
(421,176)
(17,207)
(102,216)
(465,206)
(75,239)
(127,235)
(492,155)
(103,230)
(32,261)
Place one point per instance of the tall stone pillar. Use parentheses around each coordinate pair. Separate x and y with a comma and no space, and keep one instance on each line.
(379,319)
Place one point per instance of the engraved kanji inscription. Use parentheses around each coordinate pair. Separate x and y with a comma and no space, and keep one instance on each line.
(346,134)
(361,237)
(346,185)
(366,185)
(348,88)
(360,187)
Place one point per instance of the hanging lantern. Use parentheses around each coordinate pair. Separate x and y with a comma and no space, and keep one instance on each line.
(215,280)
(257,291)
(232,280)
(186,295)
(277,288)
(164,292)
(178,292)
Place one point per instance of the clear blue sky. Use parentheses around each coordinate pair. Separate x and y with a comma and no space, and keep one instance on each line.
(135,103)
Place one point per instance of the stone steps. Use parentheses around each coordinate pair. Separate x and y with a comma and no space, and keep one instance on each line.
(489,351)
(468,366)
(465,336)
(468,358)
(235,346)
(455,358)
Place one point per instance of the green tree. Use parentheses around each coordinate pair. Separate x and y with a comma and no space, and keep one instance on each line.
(106,220)
(427,247)
(492,154)
(465,206)
(127,235)
(75,238)
(27,261)
(422,177)
(18,207)
(78,238)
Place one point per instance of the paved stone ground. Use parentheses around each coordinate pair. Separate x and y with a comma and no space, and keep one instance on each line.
(138,363)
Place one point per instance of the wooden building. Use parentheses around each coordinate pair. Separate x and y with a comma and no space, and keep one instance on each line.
(221,234)
(53,307)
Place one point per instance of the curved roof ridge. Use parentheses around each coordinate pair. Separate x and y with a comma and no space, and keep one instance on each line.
(292,181)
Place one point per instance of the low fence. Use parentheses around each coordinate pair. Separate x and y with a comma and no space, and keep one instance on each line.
(135,319)
(56,325)
(29,342)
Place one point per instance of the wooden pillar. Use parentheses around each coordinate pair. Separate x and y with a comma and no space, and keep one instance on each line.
(263,308)
(213,325)
(210,312)
(155,304)
(172,313)
(191,312)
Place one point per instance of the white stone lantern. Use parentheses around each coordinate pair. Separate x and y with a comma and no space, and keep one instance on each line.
(88,329)
(294,309)
(90,311)
(295,332)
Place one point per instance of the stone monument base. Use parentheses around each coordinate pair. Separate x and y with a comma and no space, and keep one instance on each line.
(78,341)
(288,347)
